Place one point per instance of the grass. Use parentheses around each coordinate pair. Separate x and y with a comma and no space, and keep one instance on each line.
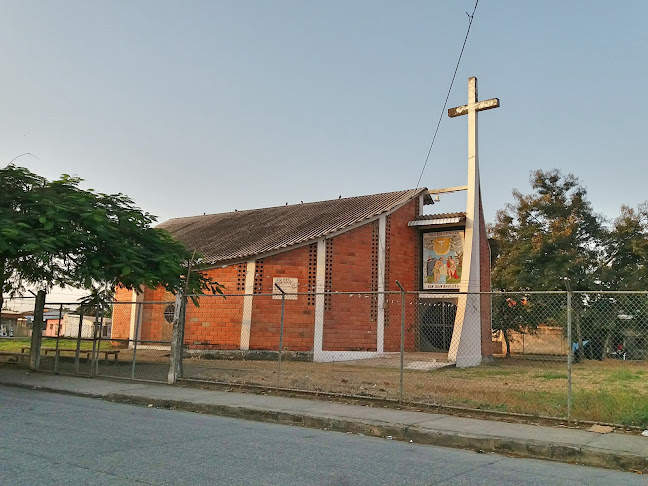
(15,344)
(553,375)
(624,375)
(611,391)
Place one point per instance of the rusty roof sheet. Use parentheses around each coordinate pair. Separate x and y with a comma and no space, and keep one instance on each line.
(239,235)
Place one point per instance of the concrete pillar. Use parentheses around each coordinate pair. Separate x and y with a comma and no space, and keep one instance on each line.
(246,323)
(320,287)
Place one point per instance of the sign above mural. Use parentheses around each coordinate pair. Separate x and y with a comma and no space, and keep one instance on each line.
(442,259)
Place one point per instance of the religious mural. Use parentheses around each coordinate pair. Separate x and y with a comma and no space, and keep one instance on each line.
(442,259)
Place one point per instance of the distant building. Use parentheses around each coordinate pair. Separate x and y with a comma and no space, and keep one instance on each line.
(14,324)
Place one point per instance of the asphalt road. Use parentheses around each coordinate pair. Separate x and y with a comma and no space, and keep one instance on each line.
(58,439)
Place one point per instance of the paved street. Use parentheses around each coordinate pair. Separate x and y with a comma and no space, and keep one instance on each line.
(49,438)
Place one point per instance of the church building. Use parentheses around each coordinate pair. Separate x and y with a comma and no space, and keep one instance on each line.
(339,262)
(358,245)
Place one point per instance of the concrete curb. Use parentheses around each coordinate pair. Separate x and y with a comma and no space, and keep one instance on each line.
(512,447)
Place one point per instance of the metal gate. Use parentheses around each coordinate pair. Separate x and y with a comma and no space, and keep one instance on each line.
(436,324)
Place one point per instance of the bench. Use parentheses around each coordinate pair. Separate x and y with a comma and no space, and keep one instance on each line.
(15,354)
(87,352)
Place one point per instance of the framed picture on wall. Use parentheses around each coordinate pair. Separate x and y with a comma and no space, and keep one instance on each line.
(442,259)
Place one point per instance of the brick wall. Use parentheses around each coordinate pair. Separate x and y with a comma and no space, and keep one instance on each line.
(350,322)
(216,322)
(153,326)
(403,260)
(299,314)
(121,314)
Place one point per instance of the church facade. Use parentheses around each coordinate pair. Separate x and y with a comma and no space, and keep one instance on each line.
(339,261)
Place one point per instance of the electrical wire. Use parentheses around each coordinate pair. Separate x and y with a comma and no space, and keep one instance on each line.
(445,104)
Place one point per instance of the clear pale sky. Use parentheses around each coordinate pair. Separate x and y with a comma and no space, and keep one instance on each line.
(191,107)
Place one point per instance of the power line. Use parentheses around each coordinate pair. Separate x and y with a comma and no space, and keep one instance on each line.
(445,104)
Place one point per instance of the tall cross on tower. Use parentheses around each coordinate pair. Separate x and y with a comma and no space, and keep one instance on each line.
(471,335)
(473,199)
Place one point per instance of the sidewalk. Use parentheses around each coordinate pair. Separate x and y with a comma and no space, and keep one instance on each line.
(614,450)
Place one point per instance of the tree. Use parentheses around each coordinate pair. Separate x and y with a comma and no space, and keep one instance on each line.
(511,314)
(624,267)
(548,235)
(542,238)
(55,233)
(626,261)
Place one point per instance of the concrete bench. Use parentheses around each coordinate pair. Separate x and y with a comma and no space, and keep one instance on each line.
(15,354)
(86,352)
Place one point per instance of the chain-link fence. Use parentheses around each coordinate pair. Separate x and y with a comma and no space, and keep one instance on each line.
(576,355)
(123,340)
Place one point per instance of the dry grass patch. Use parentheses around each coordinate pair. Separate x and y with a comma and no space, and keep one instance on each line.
(608,391)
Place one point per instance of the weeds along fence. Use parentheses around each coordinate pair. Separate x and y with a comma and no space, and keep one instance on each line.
(565,355)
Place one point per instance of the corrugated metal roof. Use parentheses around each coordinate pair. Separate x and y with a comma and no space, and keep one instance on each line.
(437,219)
(242,234)
(440,216)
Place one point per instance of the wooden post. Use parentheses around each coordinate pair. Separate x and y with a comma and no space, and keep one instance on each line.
(177,333)
(37,331)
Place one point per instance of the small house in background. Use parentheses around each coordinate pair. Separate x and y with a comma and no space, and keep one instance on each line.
(14,324)
(69,322)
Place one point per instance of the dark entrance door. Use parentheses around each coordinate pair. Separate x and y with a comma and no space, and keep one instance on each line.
(436,326)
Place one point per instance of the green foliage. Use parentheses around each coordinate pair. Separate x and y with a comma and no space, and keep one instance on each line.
(55,233)
(626,265)
(553,233)
(548,235)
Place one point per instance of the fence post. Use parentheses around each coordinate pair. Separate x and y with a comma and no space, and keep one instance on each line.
(100,309)
(570,352)
(570,348)
(175,359)
(78,344)
(37,331)
(281,329)
(136,337)
(94,342)
(402,341)
(58,336)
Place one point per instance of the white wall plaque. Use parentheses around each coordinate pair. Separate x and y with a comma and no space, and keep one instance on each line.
(288,285)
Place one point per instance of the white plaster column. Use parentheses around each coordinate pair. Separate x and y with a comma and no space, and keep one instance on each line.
(380,318)
(134,316)
(320,287)
(246,322)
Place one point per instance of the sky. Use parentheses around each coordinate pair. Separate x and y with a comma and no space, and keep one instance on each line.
(193,107)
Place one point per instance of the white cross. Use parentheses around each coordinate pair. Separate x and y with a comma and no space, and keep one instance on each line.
(471,253)
(471,110)
(473,105)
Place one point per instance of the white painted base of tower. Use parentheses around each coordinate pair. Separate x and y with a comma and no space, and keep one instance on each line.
(332,356)
(465,347)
